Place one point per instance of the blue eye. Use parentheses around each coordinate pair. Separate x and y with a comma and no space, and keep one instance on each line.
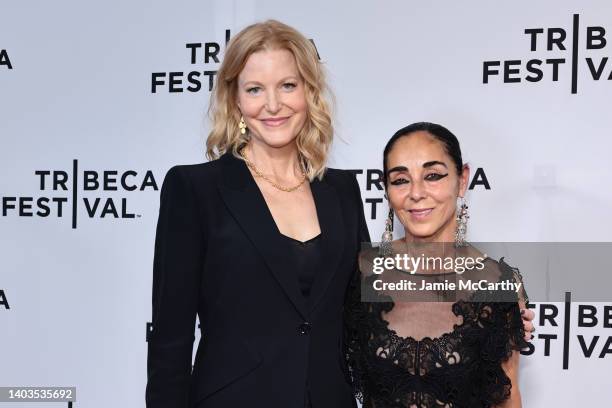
(253,90)
(289,85)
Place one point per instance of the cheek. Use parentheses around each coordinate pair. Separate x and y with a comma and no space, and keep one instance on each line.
(447,203)
(297,101)
(443,194)
(250,107)
(397,196)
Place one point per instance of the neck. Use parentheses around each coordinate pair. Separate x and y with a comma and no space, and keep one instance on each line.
(440,244)
(280,162)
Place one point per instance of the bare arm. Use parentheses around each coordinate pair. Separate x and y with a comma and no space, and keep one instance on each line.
(511,368)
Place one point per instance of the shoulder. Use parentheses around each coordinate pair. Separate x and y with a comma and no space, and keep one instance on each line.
(194,171)
(366,260)
(338,174)
(342,180)
(504,270)
(192,175)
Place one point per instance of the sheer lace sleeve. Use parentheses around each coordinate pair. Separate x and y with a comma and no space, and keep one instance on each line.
(505,336)
(514,324)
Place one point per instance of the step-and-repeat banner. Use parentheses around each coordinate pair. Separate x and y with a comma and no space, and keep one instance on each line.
(99,99)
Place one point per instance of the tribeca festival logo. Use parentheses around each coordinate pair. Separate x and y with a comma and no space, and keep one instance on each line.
(587,316)
(374,182)
(207,53)
(564,46)
(60,191)
(5,61)
(193,81)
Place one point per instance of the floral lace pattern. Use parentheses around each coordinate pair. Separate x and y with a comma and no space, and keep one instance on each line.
(461,368)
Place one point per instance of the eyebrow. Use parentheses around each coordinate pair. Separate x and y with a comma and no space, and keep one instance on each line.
(433,163)
(290,77)
(397,168)
(425,165)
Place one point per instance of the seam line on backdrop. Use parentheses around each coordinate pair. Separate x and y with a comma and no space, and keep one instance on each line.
(566,329)
(75,167)
(575,54)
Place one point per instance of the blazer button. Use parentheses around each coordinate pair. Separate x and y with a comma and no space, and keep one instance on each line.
(304,328)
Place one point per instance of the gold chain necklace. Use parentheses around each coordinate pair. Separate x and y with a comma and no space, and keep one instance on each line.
(258,173)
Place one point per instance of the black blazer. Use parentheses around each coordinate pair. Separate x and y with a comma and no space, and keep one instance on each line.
(218,253)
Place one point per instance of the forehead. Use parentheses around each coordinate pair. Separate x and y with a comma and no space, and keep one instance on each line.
(417,147)
(269,65)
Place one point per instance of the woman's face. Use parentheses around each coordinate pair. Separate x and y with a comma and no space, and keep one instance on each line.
(423,186)
(271,97)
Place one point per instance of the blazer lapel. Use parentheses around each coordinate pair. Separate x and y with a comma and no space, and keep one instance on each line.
(248,206)
(332,226)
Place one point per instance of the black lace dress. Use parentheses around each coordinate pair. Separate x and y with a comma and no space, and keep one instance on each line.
(432,354)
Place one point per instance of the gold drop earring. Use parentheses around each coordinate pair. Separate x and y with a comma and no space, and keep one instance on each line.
(242,125)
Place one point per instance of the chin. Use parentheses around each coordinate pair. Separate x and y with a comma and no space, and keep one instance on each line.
(422,232)
(277,140)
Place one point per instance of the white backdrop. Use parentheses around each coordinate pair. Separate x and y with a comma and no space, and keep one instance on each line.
(76,84)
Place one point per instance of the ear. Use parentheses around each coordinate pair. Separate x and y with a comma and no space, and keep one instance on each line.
(464,178)
(239,110)
(236,94)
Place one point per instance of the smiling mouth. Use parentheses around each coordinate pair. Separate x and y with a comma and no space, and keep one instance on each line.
(275,122)
(420,214)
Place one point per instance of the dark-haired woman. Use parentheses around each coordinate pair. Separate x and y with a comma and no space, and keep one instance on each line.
(424,350)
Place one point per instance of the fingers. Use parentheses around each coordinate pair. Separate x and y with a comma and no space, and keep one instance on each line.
(528,316)
(528,330)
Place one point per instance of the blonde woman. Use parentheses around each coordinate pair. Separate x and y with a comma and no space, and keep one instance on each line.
(260,242)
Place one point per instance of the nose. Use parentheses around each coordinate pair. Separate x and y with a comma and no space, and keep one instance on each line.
(417,190)
(273,104)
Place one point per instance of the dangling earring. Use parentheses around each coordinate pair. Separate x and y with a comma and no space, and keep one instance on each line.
(385,248)
(462,218)
(242,126)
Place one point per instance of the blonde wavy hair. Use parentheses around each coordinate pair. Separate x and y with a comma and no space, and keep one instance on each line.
(315,138)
